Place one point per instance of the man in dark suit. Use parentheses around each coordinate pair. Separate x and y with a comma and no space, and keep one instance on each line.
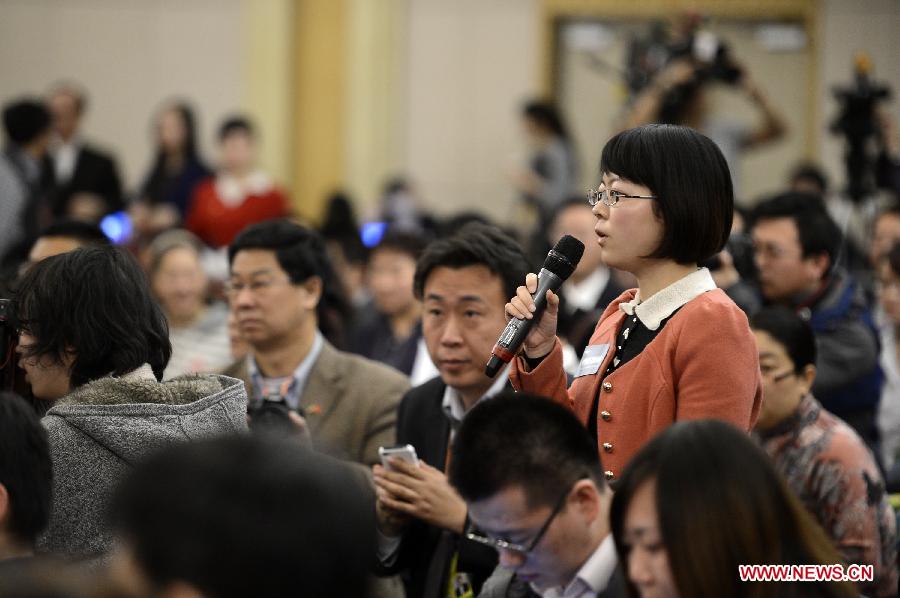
(87,180)
(532,479)
(463,282)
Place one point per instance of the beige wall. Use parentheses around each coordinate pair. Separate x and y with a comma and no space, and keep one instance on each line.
(223,55)
(471,64)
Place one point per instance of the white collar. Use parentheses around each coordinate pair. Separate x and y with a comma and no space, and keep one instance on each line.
(453,405)
(585,294)
(594,575)
(233,192)
(664,303)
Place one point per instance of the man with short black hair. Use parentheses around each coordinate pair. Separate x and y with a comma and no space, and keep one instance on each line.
(286,301)
(532,479)
(463,282)
(26,476)
(796,251)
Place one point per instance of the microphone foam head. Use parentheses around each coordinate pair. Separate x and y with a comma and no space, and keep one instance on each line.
(564,256)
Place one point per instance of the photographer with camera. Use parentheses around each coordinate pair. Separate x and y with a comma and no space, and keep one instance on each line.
(92,339)
(677,95)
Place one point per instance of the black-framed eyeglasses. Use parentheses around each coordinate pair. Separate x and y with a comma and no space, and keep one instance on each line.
(611,197)
(500,544)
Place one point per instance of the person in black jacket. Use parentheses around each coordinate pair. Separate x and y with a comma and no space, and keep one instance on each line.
(88,184)
(463,282)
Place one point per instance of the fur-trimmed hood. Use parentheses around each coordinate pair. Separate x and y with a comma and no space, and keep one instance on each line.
(133,413)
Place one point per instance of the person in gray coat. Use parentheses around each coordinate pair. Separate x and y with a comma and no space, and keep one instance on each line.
(93,341)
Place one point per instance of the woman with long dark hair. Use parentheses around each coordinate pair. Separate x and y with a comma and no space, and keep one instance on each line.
(674,348)
(699,501)
(177,168)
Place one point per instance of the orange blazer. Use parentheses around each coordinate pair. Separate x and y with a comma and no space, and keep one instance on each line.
(702,364)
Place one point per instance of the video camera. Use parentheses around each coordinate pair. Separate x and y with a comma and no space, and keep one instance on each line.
(857,123)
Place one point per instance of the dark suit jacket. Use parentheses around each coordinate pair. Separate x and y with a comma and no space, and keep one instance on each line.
(95,172)
(578,326)
(422,423)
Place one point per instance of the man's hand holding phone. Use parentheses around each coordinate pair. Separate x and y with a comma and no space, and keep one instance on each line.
(407,488)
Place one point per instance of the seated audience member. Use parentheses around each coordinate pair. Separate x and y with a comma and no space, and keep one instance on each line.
(796,245)
(592,286)
(888,323)
(198,329)
(24,190)
(391,330)
(821,458)
(26,476)
(87,179)
(678,539)
(93,340)
(177,166)
(64,236)
(463,281)
(280,291)
(532,480)
(239,194)
(238,517)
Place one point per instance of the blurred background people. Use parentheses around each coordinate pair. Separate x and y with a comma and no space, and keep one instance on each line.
(24,190)
(63,236)
(198,324)
(823,461)
(585,295)
(177,168)
(736,511)
(551,173)
(239,195)
(677,94)
(87,181)
(888,323)
(391,331)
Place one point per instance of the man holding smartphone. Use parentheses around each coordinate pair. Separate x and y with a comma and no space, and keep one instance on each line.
(463,282)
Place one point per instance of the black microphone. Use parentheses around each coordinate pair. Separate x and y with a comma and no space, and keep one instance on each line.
(558,266)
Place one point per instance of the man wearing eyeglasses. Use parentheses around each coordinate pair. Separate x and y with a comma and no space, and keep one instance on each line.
(532,480)
(282,293)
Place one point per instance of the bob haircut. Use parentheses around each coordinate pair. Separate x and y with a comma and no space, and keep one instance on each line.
(94,302)
(690,179)
(735,510)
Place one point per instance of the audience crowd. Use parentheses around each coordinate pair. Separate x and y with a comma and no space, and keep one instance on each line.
(198,407)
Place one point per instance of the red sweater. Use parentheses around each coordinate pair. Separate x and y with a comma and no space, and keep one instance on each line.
(218,224)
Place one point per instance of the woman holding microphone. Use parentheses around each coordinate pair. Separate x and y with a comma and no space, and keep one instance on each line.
(676,347)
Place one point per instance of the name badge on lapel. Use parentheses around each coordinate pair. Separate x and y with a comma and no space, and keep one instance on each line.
(591,360)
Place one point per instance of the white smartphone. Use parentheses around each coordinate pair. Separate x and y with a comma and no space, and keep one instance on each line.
(405,453)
